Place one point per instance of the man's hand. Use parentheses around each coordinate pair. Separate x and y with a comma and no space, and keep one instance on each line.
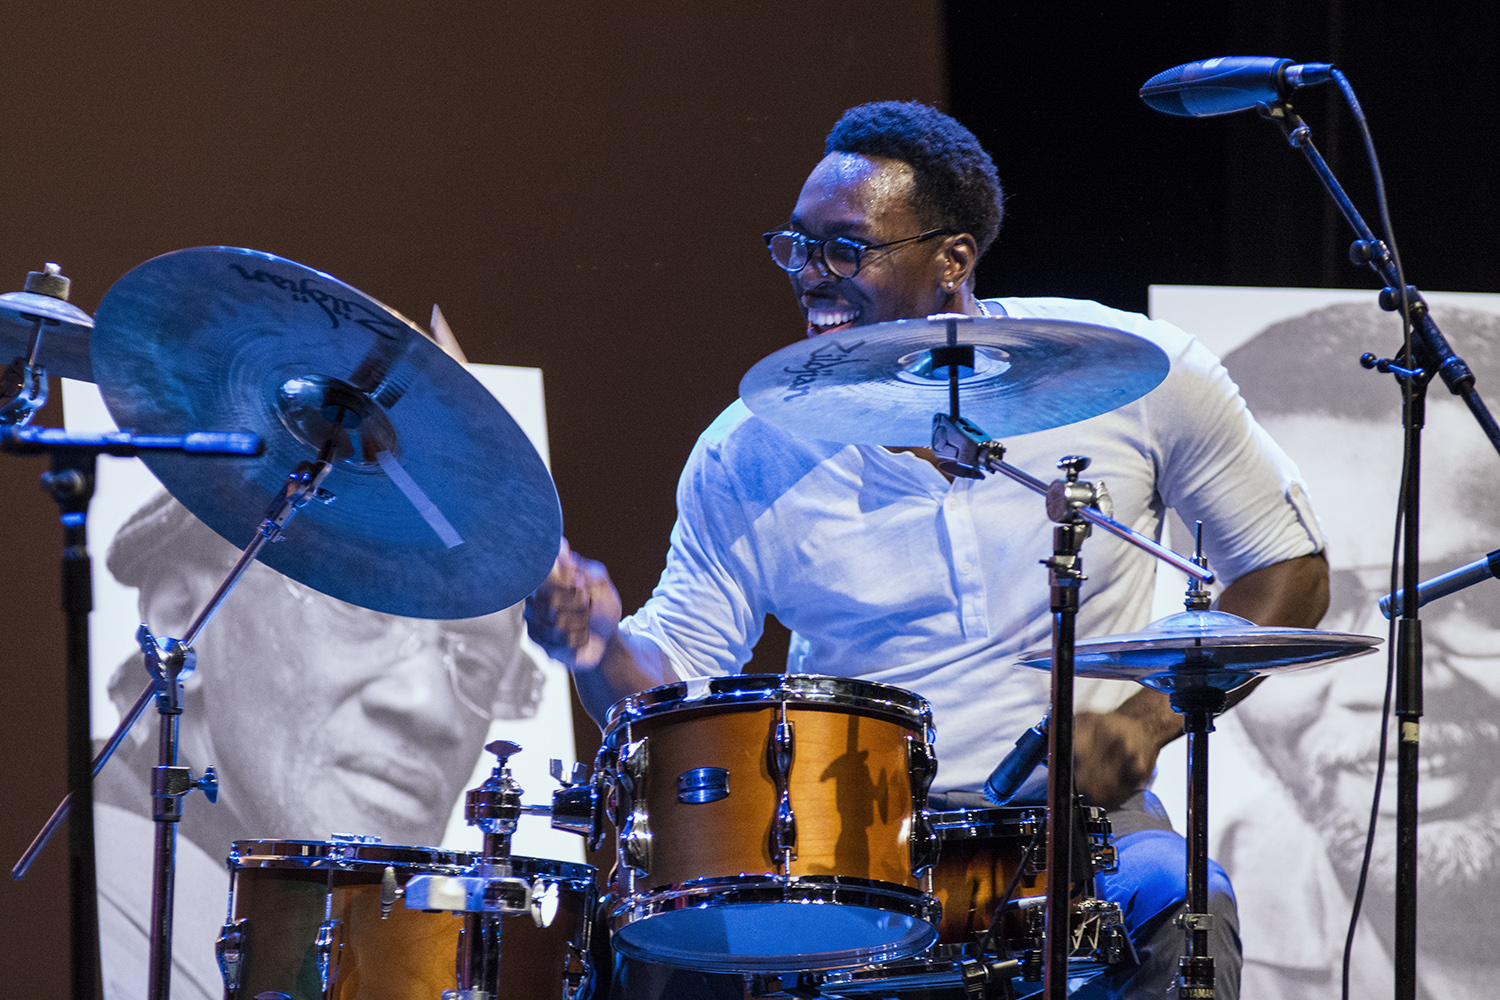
(575,612)
(1114,753)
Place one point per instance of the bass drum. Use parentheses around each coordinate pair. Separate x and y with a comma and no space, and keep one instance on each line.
(771,822)
(310,920)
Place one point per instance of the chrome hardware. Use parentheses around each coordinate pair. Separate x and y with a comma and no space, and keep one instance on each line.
(389,892)
(495,806)
(544,901)
(353,838)
(782,752)
(921,768)
(468,894)
(630,807)
(578,806)
(230,950)
(579,776)
(576,809)
(703,784)
(578,974)
(328,947)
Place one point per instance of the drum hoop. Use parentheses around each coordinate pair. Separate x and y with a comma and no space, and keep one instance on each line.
(355,855)
(276,853)
(729,890)
(831,890)
(749,690)
(1011,821)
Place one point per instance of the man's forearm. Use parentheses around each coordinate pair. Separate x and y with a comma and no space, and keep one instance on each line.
(630,664)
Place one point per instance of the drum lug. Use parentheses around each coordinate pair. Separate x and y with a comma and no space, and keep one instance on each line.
(921,768)
(578,974)
(329,946)
(783,751)
(630,806)
(230,950)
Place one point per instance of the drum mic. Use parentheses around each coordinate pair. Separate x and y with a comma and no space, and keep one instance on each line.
(1448,583)
(1030,750)
(1228,84)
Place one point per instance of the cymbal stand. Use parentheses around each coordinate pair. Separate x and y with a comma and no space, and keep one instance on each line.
(25,381)
(71,484)
(963,449)
(1198,704)
(170,662)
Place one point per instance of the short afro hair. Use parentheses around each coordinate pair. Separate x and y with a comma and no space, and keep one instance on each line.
(957,187)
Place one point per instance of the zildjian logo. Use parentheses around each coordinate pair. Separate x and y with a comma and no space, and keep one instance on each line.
(827,356)
(335,308)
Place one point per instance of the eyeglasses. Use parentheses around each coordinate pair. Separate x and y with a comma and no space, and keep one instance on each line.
(1466,623)
(841,256)
(473,675)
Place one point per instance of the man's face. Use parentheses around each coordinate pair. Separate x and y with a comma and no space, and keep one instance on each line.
(867,199)
(322,717)
(1319,728)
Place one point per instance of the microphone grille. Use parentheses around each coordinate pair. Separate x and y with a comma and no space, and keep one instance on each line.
(1163,93)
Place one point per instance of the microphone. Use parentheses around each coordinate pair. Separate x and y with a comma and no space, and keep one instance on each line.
(1017,765)
(1228,84)
(1448,583)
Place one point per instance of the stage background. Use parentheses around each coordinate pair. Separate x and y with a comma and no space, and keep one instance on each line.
(584,194)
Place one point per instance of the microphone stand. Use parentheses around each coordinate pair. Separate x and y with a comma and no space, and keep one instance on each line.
(71,484)
(1431,356)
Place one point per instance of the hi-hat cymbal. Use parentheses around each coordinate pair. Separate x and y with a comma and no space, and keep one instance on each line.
(881,384)
(64,351)
(442,507)
(1204,649)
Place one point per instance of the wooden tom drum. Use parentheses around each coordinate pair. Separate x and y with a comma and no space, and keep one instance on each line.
(771,823)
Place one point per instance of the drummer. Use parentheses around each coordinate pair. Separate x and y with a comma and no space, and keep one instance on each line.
(886,569)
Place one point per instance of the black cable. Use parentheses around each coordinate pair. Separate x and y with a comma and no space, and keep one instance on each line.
(990,936)
(1408,390)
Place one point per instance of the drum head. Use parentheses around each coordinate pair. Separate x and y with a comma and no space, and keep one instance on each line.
(771,925)
(752,690)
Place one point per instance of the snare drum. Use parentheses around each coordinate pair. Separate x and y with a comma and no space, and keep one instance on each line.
(771,823)
(310,920)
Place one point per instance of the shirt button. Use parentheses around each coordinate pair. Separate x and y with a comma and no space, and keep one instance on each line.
(965,569)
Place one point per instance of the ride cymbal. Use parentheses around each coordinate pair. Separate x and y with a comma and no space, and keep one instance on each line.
(881,384)
(442,508)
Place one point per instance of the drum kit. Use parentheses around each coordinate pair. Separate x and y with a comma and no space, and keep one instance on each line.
(775,827)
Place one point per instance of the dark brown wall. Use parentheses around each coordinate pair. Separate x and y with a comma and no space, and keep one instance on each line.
(580,186)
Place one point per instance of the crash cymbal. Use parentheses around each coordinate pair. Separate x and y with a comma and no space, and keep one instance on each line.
(442,507)
(1204,649)
(881,384)
(64,351)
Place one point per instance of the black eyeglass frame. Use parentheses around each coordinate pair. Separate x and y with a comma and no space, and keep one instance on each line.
(807,243)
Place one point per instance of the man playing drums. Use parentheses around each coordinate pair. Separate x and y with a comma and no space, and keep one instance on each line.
(887,570)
